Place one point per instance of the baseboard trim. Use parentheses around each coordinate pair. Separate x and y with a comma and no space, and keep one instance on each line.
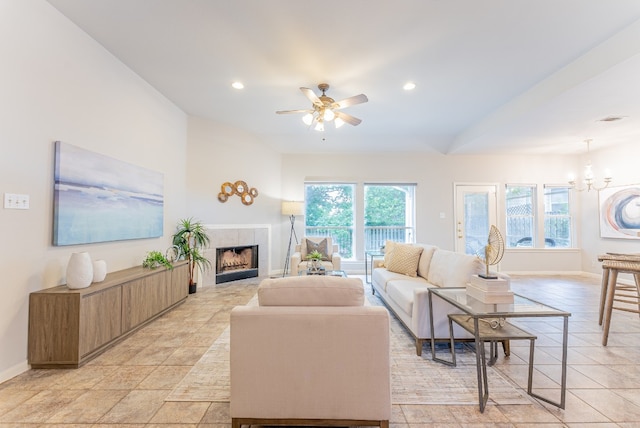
(14,371)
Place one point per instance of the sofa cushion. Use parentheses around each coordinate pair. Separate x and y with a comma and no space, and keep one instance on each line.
(382,276)
(425,259)
(405,259)
(450,269)
(311,290)
(401,292)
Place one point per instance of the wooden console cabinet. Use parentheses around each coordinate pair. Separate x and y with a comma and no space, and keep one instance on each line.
(68,327)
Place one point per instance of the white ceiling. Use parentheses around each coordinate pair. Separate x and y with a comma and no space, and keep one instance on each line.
(492,76)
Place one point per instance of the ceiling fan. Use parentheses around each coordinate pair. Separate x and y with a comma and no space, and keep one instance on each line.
(325,109)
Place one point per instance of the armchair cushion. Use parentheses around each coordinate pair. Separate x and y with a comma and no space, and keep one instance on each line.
(321,247)
(298,258)
(314,239)
(315,290)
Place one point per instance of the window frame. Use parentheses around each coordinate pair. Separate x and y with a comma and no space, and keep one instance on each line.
(358,239)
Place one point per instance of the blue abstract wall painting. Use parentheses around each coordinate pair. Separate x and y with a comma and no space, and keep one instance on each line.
(100,199)
(620,212)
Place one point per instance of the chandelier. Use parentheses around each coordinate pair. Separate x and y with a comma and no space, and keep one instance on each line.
(589,177)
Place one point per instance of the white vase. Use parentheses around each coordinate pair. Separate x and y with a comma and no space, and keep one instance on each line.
(79,270)
(99,270)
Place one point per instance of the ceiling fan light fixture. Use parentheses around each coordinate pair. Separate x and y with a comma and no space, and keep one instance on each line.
(307,119)
(326,109)
(328,115)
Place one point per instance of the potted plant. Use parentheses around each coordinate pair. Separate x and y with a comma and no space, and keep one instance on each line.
(155,259)
(191,238)
(314,261)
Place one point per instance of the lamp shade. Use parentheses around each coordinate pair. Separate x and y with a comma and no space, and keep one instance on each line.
(292,208)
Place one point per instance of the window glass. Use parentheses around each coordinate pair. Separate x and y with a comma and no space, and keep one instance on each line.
(557,218)
(388,214)
(520,207)
(329,211)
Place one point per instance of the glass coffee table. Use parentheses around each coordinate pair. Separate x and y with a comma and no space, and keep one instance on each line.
(339,273)
(488,322)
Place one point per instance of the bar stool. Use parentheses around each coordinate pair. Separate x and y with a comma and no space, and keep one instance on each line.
(605,277)
(620,293)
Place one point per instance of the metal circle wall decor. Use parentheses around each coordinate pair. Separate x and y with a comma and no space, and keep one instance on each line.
(247,194)
(228,189)
(241,187)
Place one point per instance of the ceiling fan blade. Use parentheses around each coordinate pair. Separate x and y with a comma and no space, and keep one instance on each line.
(356,99)
(312,96)
(348,118)
(293,111)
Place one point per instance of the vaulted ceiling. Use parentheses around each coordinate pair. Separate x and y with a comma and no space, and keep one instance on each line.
(492,76)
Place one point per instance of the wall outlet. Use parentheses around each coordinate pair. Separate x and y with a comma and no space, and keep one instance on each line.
(15,201)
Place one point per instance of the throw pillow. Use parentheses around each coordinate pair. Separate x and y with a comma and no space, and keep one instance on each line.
(320,247)
(388,252)
(405,259)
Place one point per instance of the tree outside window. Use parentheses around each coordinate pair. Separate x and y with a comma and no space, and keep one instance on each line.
(330,212)
(388,214)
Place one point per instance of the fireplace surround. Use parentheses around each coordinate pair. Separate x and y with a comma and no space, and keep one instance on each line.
(237,236)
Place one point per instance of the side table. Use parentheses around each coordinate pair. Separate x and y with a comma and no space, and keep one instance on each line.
(369,256)
(476,319)
(486,333)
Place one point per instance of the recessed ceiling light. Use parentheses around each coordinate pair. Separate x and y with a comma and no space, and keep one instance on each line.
(409,86)
(237,85)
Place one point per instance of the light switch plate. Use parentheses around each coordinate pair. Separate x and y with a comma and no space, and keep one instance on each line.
(14,201)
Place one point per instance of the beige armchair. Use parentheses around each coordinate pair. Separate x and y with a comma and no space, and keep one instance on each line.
(310,354)
(298,261)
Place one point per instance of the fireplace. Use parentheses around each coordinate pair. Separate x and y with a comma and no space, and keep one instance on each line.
(233,263)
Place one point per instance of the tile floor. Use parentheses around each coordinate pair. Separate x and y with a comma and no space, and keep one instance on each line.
(126,386)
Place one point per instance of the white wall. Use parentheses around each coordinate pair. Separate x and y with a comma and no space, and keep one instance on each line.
(622,160)
(435,176)
(219,154)
(59,84)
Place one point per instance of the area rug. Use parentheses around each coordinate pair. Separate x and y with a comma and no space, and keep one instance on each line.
(414,379)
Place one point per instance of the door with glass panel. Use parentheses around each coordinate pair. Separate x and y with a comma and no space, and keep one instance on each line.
(475,211)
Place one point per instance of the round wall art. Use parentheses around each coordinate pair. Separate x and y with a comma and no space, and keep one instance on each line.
(239,188)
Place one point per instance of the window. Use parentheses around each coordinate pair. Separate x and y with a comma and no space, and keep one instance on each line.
(389,214)
(524,221)
(520,205)
(557,217)
(329,211)
(385,211)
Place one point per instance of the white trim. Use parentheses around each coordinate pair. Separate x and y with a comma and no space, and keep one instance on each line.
(14,371)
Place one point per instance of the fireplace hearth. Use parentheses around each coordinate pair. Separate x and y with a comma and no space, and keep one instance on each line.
(234,263)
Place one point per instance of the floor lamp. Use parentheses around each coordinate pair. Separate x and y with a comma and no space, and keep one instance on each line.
(291,209)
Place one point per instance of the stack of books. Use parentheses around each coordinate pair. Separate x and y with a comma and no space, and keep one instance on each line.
(490,290)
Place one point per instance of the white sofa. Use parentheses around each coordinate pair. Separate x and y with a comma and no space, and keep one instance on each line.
(298,261)
(311,353)
(408,296)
